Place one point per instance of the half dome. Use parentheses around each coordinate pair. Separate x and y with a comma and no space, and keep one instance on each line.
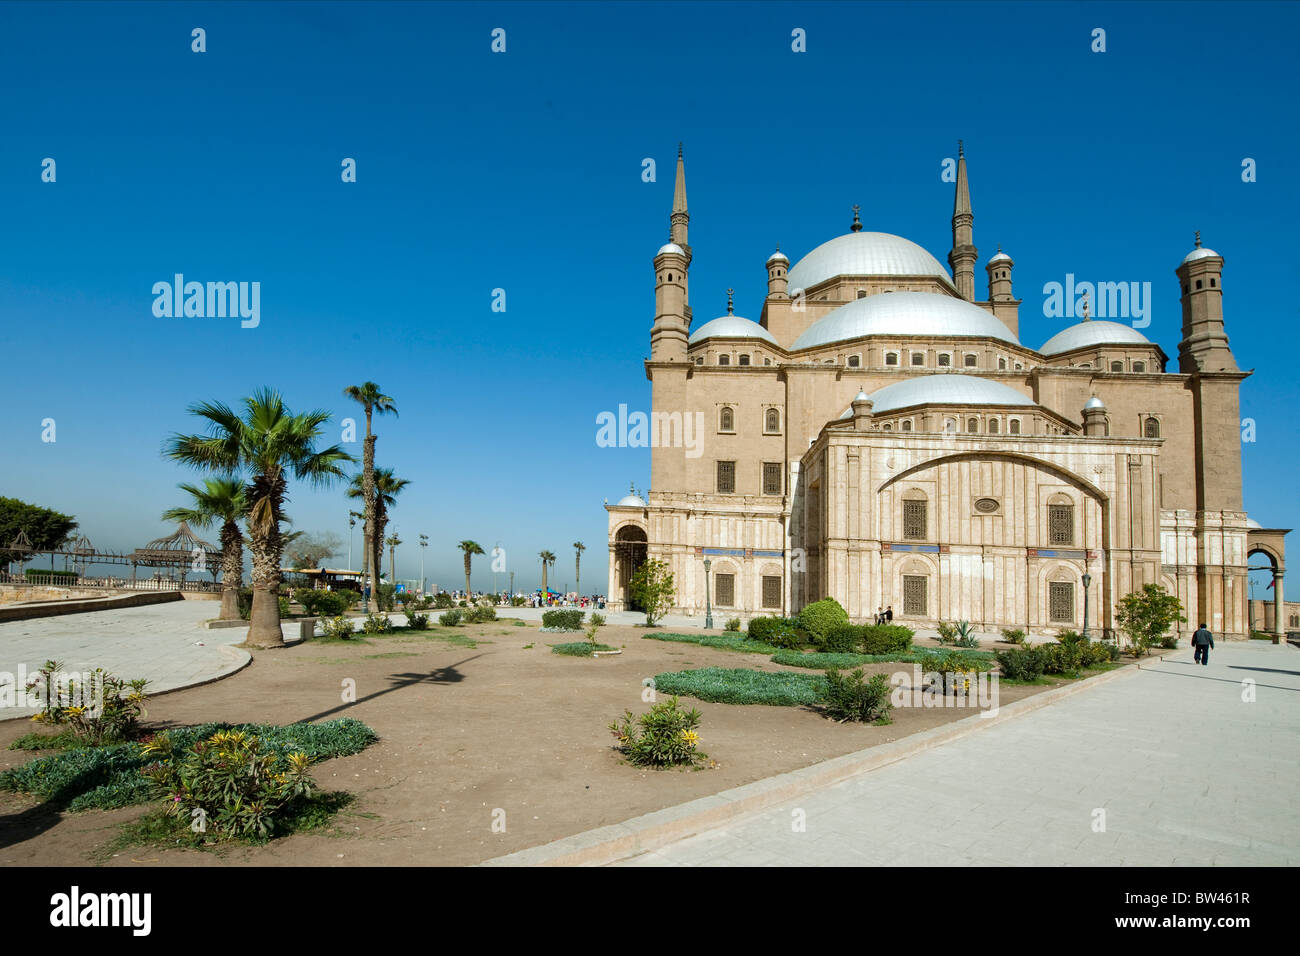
(904,313)
(630,501)
(731,327)
(1094,332)
(865,254)
(946,389)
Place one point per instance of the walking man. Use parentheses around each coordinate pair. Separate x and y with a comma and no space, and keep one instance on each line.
(1202,640)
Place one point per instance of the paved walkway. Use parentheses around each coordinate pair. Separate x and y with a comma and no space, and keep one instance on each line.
(1187,773)
(161,642)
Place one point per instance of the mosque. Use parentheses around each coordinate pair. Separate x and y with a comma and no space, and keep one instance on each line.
(882,437)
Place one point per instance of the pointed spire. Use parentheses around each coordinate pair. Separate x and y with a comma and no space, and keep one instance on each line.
(961,204)
(963,255)
(730,306)
(857,223)
(680,217)
(1086,316)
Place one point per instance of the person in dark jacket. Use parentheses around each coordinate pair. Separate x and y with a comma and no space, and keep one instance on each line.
(1202,640)
(889,614)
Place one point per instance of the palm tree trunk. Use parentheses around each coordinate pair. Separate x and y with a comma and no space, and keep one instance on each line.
(264,620)
(368,492)
(232,570)
(468,558)
(544,591)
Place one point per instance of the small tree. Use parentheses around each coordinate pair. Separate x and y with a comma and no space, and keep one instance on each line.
(652,587)
(1145,616)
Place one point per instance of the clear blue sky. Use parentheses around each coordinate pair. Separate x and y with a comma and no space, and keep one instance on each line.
(522,171)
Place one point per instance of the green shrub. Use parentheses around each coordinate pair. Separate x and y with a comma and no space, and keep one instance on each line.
(562,620)
(721,642)
(849,697)
(954,662)
(338,627)
(579,648)
(822,617)
(462,604)
(322,603)
(777,631)
(886,638)
(417,622)
(450,618)
(665,736)
(947,632)
(1169,640)
(377,624)
(480,614)
(740,686)
(244,601)
(442,600)
(518,601)
(1014,635)
(818,661)
(597,619)
(845,639)
(384,596)
(1020,664)
(101,710)
(284,607)
(67,576)
(733,624)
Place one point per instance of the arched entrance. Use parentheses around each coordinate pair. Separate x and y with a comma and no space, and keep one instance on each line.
(630,548)
(1274,572)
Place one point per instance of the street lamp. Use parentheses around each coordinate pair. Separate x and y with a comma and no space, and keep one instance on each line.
(352,523)
(1087,582)
(424,543)
(708,597)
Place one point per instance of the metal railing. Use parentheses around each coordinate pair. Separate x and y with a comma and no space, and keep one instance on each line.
(113,584)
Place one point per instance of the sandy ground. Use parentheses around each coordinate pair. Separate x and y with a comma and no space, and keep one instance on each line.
(465,731)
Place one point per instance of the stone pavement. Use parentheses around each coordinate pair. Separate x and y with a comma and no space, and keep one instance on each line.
(1185,770)
(161,642)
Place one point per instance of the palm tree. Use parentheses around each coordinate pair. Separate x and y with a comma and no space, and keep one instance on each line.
(387,487)
(393,541)
(369,396)
(269,443)
(220,499)
(578,548)
(547,558)
(470,548)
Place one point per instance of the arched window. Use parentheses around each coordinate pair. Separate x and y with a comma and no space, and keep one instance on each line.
(1014,426)
(1019,366)
(724,359)
(950,425)
(891,358)
(1198,283)
(907,424)
(699,360)
(1060,520)
(862,293)
(888,427)
(1117,366)
(1002,364)
(918,358)
(970,361)
(1139,366)
(726,419)
(855,361)
(772,421)
(744,360)
(1151,428)
(944,360)
(993,426)
(1212,283)
(972,425)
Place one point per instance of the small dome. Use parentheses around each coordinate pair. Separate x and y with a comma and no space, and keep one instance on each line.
(1094,402)
(865,254)
(949,389)
(670,247)
(1002,257)
(1252,523)
(777,256)
(1200,252)
(731,327)
(862,396)
(1096,332)
(630,501)
(903,313)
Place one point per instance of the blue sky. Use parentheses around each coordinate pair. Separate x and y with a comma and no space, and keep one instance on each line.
(522,171)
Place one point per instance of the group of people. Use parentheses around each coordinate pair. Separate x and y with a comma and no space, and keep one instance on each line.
(885,615)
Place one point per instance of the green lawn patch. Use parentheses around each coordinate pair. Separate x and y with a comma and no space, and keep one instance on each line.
(105,778)
(578,649)
(824,661)
(722,642)
(740,686)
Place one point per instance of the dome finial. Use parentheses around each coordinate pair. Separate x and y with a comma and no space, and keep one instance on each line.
(999,247)
(961,150)
(1086,317)
(679,149)
(857,223)
(1198,238)
(730,308)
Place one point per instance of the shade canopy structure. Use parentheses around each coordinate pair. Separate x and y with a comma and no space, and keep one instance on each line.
(177,550)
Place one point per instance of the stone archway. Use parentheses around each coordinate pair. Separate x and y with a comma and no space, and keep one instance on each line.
(1278,570)
(630,549)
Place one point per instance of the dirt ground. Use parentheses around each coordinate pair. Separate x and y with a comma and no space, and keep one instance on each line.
(465,731)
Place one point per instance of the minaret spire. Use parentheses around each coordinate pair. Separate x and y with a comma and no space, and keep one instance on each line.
(857,223)
(680,218)
(731,309)
(963,255)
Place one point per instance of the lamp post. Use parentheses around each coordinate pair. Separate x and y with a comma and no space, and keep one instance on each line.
(1087,582)
(424,543)
(708,597)
(352,524)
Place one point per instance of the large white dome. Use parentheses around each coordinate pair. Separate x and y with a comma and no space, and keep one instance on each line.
(904,313)
(731,327)
(865,254)
(945,389)
(1094,332)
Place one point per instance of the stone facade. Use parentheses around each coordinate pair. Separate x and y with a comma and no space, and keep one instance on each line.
(880,437)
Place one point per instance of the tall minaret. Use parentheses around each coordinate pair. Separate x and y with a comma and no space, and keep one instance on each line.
(1205,344)
(668,336)
(963,255)
(680,218)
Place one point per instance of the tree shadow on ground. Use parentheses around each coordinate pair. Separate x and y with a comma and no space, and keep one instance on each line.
(439,675)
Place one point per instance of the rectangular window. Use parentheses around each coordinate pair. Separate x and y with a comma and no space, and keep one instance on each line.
(726,477)
(724,587)
(945,361)
(913,519)
(1060,602)
(771,477)
(1060,524)
(771,591)
(918,358)
(914,595)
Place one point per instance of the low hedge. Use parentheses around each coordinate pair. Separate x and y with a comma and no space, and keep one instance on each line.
(30,573)
(558,620)
(1030,663)
(740,686)
(824,661)
(578,649)
(778,631)
(867,639)
(722,642)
